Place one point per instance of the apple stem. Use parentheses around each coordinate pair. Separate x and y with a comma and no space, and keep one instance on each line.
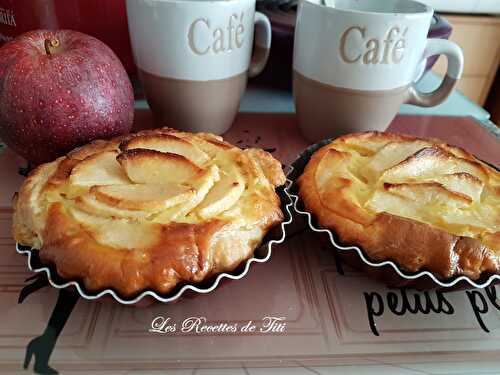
(51,45)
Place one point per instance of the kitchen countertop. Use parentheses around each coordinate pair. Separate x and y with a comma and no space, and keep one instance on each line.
(327,324)
(269,100)
(327,329)
(265,100)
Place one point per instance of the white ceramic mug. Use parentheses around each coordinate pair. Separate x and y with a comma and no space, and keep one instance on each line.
(194,57)
(356,61)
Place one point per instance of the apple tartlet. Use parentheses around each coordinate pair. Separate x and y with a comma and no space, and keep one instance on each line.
(420,203)
(149,211)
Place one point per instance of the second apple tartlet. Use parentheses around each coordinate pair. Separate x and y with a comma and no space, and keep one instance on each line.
(420,203)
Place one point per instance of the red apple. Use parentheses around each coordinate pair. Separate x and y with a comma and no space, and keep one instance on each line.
(59,90)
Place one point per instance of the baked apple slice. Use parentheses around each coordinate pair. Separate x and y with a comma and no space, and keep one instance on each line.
(429,193)
(415,201)
(463,183)
(143,197)
(88,203)
(223,195)
(120,234)
(391,154)
(99,169)
(201,185)
(429,162)
(155,167)
(166,143)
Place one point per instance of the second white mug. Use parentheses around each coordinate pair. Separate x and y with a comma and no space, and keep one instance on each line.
(355,63)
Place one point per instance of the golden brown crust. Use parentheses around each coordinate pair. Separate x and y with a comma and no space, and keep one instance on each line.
(272,170)
(420,203)
(91,219)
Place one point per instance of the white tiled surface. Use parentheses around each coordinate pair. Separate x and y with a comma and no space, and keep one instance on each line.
(464,6)
(459,6)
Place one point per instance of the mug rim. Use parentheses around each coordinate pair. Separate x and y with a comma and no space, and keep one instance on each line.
(426,9)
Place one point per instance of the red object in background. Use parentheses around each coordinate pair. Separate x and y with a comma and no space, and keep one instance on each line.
(60,90)
(104,19)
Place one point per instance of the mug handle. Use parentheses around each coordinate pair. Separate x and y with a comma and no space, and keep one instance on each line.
(453,73)
(262,39)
